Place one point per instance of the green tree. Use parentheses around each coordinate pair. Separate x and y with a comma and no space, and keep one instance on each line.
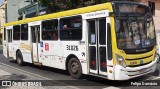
(59,5)
(52,5)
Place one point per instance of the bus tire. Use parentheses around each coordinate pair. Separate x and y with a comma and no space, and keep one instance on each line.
(19,58)
(74,68)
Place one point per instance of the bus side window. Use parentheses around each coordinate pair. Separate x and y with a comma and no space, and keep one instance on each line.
(24,32)
(72,28)
(16,32)
(50,30)
(65,27)
(47,36)
(92,36)
(55,36)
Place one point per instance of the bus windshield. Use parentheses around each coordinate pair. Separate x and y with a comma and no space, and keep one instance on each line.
(134,26)
(131,8)
(134,32)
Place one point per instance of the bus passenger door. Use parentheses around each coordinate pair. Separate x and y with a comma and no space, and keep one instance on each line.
(35,42)
(4,43)
(97,46)
(9,42)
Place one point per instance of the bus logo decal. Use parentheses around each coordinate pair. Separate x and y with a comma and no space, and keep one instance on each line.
(41,44)
(46,46)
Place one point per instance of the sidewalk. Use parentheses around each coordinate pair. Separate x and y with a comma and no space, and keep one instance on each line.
(1,49)
(6,75)
(3,73)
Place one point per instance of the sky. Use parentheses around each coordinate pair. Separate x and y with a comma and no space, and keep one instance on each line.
(1,1)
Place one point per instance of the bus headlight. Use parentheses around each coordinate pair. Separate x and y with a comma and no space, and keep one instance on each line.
(120,60)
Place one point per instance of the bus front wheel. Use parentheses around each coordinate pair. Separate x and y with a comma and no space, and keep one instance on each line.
(74,68)
(19,58)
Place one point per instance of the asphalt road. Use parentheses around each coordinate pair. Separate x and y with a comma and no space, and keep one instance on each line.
(62,80)
(1,49)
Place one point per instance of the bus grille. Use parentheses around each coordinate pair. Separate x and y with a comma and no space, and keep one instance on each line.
(140,58)
(148,57)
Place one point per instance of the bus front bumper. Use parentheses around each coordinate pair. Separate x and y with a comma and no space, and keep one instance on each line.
(122,73)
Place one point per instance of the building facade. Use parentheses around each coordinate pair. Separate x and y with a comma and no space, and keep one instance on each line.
(2,16)
(32,10)
(12,9)
(155,8)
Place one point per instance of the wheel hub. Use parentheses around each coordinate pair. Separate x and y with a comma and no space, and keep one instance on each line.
(74,67)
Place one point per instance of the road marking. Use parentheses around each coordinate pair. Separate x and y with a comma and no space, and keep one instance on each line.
(111,87)
(156,78)
(38,75)
(151,77)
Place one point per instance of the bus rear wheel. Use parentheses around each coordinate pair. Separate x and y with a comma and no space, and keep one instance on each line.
(74,68)
(19,58)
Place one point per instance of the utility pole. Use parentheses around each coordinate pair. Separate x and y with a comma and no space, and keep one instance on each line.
(37,8)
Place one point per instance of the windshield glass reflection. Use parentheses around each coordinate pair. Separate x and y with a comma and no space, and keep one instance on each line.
(135,32)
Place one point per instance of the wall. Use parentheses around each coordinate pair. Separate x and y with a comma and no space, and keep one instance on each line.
(2,15)
(157,16)
(12,9)
(157,12)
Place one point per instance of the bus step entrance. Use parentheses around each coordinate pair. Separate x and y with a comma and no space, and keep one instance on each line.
(37,63)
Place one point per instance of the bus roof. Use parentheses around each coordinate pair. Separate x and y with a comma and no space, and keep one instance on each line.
(104,6)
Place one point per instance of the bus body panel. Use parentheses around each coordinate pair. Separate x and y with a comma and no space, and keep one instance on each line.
(52,54)
(55,53)
(16,47)
(75,48)
(5,48)
(25,49)
(110,63)
(10,49)
(122,73)
(58,55)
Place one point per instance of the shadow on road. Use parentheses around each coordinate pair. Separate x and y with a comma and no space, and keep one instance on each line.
(156,73)
(1,51)
(13,77)
(45,68)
